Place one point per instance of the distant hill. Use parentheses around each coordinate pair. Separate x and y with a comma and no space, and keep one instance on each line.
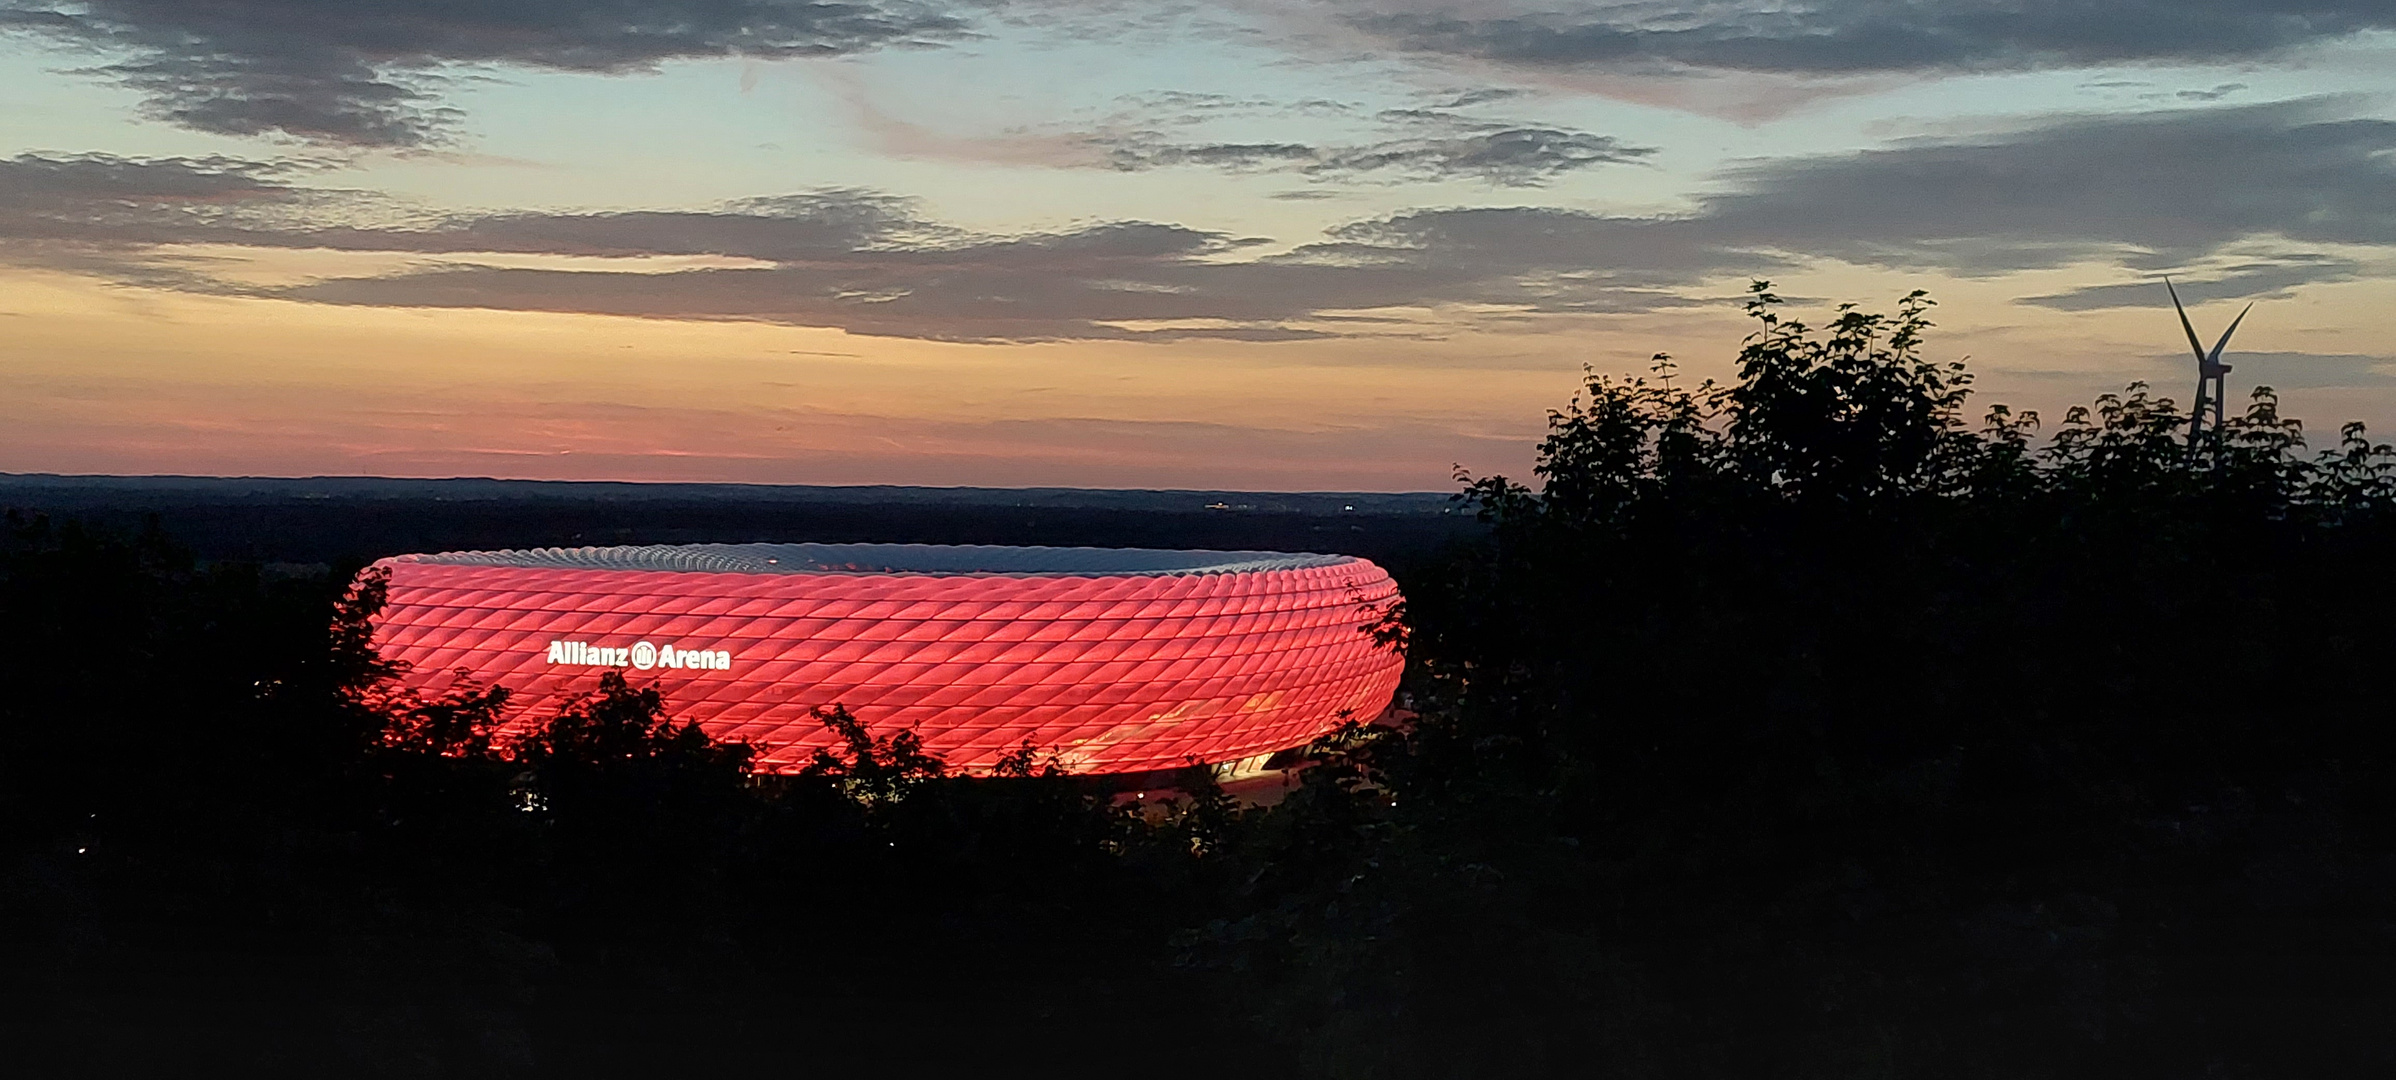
(126,490)
(346,519)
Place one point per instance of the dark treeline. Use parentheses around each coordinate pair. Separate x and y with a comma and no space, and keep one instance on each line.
(1801,726)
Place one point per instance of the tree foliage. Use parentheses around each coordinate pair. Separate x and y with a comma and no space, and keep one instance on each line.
(1800,726)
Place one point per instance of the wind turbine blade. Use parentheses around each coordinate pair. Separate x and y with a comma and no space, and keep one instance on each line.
(2215,358)
(2194,345)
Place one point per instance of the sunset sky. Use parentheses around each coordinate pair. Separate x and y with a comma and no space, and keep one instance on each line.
(1337,245)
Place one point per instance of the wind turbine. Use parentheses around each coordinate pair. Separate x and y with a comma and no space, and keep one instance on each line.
(2211,386)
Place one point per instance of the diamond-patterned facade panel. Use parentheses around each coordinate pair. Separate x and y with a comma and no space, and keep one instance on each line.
(1116,660)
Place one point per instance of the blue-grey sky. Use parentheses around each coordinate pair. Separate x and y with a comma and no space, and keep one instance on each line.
(1277,245)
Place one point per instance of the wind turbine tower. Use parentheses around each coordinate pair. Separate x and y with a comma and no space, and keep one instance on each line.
(2211,381)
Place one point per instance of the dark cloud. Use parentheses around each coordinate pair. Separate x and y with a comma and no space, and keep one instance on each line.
(1125,281)
(1483,96)
(106,201)
(1842,37)
(1505,157)
(2154,192)
(1134,153)
(2272,279)
(831,258)
(84,186)
(2157,190)
(1431,143)
(1084,284)
(960,301)
(366,72)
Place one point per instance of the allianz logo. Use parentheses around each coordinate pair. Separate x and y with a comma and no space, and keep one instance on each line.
(641,655)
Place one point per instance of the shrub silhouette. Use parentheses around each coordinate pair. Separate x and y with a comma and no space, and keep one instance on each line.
(1798,726)
(873,769)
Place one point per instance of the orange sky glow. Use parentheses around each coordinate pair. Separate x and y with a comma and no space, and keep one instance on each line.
(1318,261)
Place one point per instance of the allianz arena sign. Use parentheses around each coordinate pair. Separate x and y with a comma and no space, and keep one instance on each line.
(641,655)
(1116,660)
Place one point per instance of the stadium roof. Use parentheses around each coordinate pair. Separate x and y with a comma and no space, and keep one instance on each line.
(931,559)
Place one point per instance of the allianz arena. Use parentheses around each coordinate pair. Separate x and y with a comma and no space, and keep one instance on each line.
(1115,660)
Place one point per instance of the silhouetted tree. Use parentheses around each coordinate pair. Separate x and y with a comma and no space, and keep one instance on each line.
(1819,731)
(873,769)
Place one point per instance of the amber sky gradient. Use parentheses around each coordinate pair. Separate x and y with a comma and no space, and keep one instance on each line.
(1334,245)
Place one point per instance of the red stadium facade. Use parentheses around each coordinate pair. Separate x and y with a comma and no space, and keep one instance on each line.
(1115,660)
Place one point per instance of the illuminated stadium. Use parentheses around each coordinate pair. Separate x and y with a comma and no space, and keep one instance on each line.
(1115,660)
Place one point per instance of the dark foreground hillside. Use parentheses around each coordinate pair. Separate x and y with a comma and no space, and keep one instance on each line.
(1800,727)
